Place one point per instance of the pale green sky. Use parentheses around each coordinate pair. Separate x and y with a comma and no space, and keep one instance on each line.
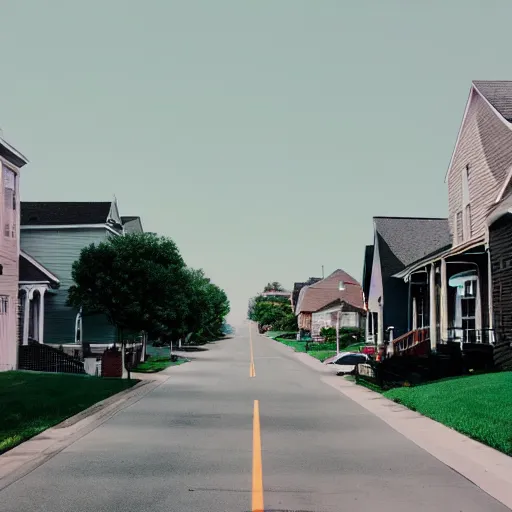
(262,136)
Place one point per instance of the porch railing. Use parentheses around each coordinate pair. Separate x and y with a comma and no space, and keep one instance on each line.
(409,343)
(458,334)
(43,358)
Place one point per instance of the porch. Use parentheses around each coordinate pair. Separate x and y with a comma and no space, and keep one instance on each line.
(449,302)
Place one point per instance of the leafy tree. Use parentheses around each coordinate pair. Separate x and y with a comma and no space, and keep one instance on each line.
(275,286)
(273,311)
(136,280)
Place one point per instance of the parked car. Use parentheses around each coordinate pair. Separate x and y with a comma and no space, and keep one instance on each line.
(346,362)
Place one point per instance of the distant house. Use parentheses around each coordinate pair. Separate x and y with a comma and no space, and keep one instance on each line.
(52,237)
(397,243)
(320,303)
(468,286)
(11,161)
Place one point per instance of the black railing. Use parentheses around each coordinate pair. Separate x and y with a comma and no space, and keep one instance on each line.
(42,358)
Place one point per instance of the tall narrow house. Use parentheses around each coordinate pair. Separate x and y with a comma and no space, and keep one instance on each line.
(11,161)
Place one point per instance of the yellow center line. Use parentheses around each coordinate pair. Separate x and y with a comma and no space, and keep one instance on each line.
(257,470)
(252,369)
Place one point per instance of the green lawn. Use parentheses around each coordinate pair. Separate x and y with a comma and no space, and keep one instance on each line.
(32,402)
(157,364)
(479,406)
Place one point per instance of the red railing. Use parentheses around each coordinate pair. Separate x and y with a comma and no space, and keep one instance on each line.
(412,343)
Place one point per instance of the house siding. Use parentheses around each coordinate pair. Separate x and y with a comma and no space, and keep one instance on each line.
(329,318)
(485,144)
(57,249)
(9,250)
(500,247)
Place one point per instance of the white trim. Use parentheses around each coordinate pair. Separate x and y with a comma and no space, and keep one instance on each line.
(30,283)
(500,117)
(505,185)
(39,267)
(470,97)
(13,150)
(62,226)
(70,226)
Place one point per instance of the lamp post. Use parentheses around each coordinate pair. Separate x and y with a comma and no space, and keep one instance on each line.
(341,288)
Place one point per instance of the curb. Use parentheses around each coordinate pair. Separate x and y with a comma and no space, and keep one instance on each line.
(29,455)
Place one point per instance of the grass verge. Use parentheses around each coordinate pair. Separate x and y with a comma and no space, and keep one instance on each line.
(32,402)
(157,364)
(478,406)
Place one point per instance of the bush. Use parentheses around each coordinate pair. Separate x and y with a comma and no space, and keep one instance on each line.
(348,335)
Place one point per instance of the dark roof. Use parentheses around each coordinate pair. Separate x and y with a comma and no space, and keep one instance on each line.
(404,240)
(297,287)
(326,291)
(498,93)
(367,269)
(64,213)
(32,271)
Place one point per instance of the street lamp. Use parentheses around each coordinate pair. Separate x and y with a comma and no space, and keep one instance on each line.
(342,286)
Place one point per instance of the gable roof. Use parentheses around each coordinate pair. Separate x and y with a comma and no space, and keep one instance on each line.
(297,287)
(316,296)
(404,240)
(30,270)
(498,95)
(64,213)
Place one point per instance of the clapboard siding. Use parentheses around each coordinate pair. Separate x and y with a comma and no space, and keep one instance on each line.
(485,145)
(500,246)
(57,250)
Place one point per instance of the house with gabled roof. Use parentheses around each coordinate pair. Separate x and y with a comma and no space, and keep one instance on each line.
(297,287)
(52,237)
(320,303)
(397,243)
(11,162)
(469,283)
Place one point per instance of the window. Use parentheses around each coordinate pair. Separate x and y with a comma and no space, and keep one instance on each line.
(4,304)
(467,220)
(9,209)
(459,228)
(466,208)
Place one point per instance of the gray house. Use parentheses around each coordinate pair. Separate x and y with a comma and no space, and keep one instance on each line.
(52,236)
(398,242)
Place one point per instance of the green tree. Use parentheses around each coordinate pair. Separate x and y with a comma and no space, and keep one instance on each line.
(275,286)
(138,281)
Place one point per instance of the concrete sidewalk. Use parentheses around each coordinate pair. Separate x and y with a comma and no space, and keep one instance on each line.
(487,468)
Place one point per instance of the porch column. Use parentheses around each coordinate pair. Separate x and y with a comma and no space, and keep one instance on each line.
(433,313)
(478,308)
(380,323)
(414,314)
(444,302)
(40,328)
(367,327)
(490,297)
(26,317)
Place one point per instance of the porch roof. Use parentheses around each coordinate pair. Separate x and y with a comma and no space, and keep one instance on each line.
(31,271)
(442,253)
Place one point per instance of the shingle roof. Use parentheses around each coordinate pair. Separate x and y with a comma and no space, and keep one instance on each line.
(64,213)
(318,295)
(498,93)
(404,240)
(297,287)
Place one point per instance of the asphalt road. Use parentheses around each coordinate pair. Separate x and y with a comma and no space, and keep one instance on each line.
(193,445)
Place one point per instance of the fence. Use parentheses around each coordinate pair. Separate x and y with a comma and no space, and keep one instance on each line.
(42,358)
